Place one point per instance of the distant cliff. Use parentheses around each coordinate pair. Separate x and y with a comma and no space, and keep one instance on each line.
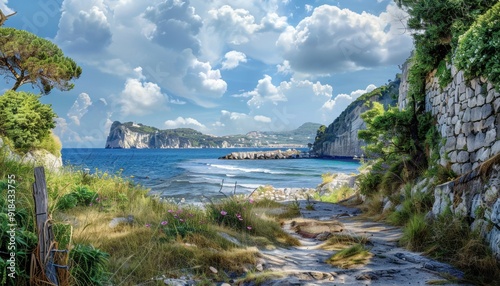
(131,135)
(340,139)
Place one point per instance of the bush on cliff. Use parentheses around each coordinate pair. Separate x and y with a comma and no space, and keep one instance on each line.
(25,120)
(478,52)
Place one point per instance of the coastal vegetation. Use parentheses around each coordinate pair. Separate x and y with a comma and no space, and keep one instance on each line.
(403,144)
(154,240)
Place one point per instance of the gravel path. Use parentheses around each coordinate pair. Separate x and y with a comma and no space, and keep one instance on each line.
(390,264)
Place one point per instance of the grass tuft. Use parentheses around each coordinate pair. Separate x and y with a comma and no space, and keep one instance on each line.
(351,257)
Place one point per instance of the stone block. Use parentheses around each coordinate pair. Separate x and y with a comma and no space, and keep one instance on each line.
(461,142)
(480,99)
(486,111)
(483,154)
(471,138)
(466,128)
(479,140)
(462,157)
(453,156)
(490,137)
(467,167)
(476,114)
(451,142)
(458,127)
(496,105)
(490,97)
(495,213)
(457,168)
(472,101)
(467,115)
(478,127)
(495,149)
(494,240)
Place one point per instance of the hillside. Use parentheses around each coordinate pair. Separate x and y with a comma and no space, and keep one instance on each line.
(340,138)
(132,135)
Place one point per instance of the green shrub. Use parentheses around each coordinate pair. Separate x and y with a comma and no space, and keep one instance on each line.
(81,196)
(51,143)
(478,51)
(416,233)
(88,265)
(24,119)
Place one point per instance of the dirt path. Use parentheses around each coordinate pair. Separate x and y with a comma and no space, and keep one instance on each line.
(389,265)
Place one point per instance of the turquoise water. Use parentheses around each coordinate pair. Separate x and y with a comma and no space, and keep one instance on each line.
(191,173)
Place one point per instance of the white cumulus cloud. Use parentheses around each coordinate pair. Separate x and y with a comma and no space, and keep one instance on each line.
(84,26)
(335,40)
(140,97)
(181,122)
(232,59)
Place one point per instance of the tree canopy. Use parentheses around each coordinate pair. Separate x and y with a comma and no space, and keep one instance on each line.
(24,119)
(27,58)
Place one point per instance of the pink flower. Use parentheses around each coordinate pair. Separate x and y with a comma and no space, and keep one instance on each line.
(181,220)
(170,211)
(251,201)
(164,222)
(223,212)
(249,227)
(148,225)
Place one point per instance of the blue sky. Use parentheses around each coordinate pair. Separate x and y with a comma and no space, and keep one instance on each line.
(220,67)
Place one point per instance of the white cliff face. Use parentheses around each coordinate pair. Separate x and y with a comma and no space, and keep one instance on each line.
(123,137)
(342,135)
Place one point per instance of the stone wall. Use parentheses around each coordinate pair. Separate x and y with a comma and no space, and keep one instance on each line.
(468,117)
(476,196)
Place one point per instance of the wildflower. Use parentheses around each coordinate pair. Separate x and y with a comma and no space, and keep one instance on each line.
(239,217)
(164,222)
(97,199)
(251,201)
(249,227)
(170,211)
(148,225)
(181,220)
(223,212)
(90,204)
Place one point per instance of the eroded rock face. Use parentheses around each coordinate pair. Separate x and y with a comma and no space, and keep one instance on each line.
(474,195)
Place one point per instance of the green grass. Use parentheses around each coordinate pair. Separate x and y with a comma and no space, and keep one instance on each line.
(351,257)
(164,238)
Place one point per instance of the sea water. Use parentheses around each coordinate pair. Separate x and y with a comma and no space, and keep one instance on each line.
(193,173)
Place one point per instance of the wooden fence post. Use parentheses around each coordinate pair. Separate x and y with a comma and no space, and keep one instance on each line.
(44,227)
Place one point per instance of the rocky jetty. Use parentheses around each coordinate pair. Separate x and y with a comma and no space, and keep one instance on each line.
(265,155)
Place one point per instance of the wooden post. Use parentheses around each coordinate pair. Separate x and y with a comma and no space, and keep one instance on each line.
(44,226)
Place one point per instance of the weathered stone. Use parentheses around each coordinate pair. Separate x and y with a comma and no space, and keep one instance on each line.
(490,97)
(467,115)
(480,99)
(457,168)
(495,149)
(476,203)
(453,156)
(495,213)
(451,142)
(494,239)
(472,101)
(458,127)
(467,167)
(486,111)
(479,140)
(471,142)
(462,157)
(490,137)
(461,142)
(466,128)
(476,113)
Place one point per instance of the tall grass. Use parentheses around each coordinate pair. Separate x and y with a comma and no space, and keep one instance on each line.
(161,240)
